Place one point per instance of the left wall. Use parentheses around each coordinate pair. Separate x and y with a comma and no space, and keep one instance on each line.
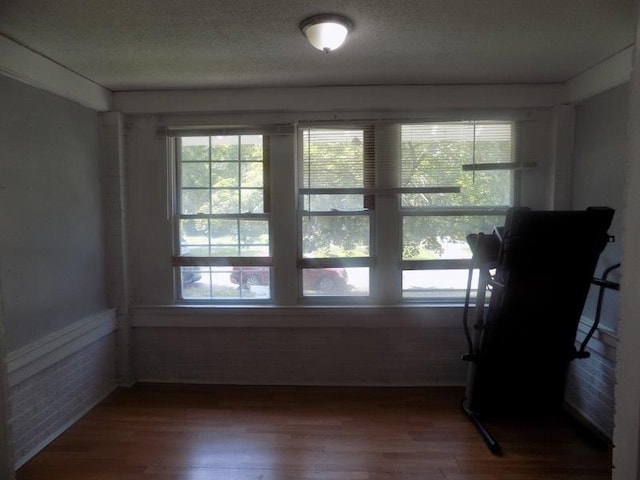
(59,333)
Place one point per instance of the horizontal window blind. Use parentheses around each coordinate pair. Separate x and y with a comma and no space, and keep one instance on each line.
(434,154)
(335,158)
(338,160)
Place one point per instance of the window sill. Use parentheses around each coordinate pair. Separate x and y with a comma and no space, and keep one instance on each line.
(316,316)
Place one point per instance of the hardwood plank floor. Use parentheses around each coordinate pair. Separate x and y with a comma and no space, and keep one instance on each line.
(191,432)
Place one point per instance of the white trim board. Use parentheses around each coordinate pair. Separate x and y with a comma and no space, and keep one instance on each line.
(608,74)
(27,66)
(404,98)
(35,357)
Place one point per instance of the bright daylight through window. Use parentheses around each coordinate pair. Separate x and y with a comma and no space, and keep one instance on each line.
(369,196)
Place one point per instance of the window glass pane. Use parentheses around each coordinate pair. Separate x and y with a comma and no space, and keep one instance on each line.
(351,281)
(225,237)
(251,200)
(195,149)
(225,200)
(327,203)
(195,174)
(216,187)
(251,175)
(254,238)
(443,237)
(251,148)
(194,232)
(195,201)
(225,148)
(194,237)
(335,236)
(250,276)
(224,283)
(333,158)
(193,280)
(224,174)
(438,284)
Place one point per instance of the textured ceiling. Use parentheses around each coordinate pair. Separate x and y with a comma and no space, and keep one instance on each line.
(171,44)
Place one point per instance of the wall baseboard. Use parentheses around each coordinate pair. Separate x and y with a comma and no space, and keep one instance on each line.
(587,425)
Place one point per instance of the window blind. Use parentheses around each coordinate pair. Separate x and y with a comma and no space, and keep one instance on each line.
(335,158)
(435,154)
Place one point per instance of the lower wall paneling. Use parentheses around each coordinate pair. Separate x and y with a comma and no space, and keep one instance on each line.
(591,382)
(301,356)
(56,381)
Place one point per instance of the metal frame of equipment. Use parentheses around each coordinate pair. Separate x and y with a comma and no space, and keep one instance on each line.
(534,277)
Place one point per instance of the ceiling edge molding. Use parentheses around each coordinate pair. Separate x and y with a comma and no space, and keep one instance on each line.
(341,98)
(26,66)
(607,74)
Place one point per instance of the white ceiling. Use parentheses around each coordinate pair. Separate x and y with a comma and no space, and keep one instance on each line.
(181,44)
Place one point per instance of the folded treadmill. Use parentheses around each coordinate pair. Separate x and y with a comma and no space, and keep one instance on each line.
(534,277)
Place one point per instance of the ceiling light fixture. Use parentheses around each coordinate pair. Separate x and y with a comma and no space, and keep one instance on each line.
(326,32)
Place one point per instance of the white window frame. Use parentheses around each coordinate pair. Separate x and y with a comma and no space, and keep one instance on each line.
(180,260)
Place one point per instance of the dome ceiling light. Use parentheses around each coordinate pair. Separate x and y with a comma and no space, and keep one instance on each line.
(326,32)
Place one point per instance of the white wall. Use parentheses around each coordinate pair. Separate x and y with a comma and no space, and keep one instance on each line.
(598,176)
(58,333)
(51,213)
(626,454)
(599,160)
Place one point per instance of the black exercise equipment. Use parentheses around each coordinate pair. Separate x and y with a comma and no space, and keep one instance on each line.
(535,273)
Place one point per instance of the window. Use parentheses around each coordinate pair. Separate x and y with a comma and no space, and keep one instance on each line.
(369,213)
(476,157)
(335,220)
(222,217)
(436,182)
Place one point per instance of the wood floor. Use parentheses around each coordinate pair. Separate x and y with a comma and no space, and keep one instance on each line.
(164,432)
